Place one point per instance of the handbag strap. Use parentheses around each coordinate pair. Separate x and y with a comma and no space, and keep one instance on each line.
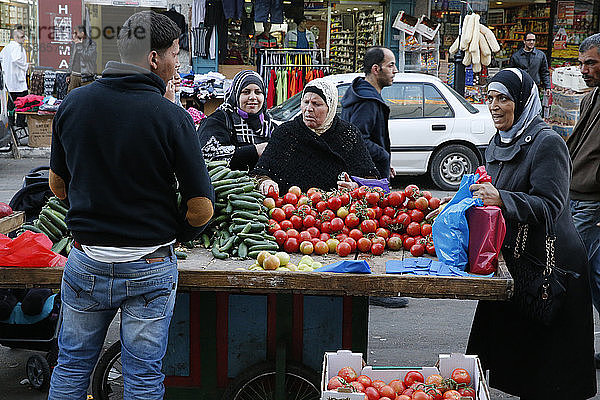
(521,241)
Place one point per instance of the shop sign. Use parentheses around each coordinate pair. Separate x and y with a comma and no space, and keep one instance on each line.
(129,3)
(565,12)
(56,21)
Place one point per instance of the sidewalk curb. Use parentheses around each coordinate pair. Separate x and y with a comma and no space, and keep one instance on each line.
(29,152)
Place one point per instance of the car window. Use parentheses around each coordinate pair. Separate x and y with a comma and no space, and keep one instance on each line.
(288,109)
(435,104)
(464,102)
(341,92)
(404,99)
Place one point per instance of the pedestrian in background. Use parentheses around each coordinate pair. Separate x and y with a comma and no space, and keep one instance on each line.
(14,67)
(300,38)
(531,171)
(83,59)
(584,148)
(119,150)
(533,61)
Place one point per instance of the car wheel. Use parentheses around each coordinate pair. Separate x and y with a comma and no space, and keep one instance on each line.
(450,163)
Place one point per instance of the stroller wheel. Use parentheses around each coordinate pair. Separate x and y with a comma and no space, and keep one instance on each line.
(38,372)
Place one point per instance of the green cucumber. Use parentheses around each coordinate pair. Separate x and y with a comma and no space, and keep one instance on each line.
(45,230)
(244,197)
(220,175)
(217,254)
(55,219)
(236,174)
(237,190)
(228,186)
(205,240)
(254,227)
(259,196)
(48,225)
(227,245)
(245,205)
(215,171)
(251,242)
(219,219)
(268,247)
(216,163)
(255,236)
(249,216)
(31,228)
(242,250)
(55,205)
(60,245)
(226,182)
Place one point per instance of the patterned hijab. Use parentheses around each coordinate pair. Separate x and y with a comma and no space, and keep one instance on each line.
(328,92)
(520,88)
(258,122)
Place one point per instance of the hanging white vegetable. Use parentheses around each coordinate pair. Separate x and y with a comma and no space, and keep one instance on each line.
(477,41)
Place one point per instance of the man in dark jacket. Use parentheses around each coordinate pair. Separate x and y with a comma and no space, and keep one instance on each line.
(119,150)
(584,148)
(533,61)
(364,107)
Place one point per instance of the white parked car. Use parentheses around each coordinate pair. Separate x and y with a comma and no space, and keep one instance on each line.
(432,128)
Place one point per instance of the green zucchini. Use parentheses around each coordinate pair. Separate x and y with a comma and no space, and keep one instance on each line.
(219,219)
(220,175)
(236,174)
(227,245)
(255,236)
(55,205)
(254,227)
(259,196)
(245,197)
(226,182)
(237,190)
(45,230)
(249,216)
(205,240)
(228,186)
(251,242)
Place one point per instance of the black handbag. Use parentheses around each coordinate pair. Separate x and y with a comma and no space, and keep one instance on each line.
(540,287)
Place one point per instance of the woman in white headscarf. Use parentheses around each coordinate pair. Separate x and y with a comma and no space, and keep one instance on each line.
(528,356)
(315,148)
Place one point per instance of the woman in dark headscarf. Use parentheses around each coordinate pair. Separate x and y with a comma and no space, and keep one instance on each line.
(530,169)
(316,148)
(240,128)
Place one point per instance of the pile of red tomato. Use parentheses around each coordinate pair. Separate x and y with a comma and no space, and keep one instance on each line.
(413,387)
(342,222)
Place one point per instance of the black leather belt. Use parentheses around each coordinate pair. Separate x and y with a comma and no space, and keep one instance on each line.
(161,252)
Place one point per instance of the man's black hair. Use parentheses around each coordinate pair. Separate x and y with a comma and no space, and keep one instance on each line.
(373,55)
(81,28)
(298,20)
(144,32)
(527,34)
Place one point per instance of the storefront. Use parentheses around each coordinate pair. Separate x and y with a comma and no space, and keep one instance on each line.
(24,13)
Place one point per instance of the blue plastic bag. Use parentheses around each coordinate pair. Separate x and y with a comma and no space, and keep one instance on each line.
(347,266)
(450,228)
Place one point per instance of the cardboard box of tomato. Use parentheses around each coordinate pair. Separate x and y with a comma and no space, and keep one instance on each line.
(334,362)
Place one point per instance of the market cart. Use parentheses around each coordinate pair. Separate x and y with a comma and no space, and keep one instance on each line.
(236,332)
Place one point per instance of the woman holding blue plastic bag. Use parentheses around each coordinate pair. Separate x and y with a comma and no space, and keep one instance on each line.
(540,343)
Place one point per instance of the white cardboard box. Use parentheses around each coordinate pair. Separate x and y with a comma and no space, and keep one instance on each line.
(333,362)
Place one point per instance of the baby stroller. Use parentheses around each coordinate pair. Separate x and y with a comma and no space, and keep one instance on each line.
(38,333)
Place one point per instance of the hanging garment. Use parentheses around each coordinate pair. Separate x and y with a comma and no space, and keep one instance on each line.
(198,12)
(233,9)
(179,19)
(216,17)
(49,80)
(37,83)
(263,9)
(281,86)
(271,99)
(61,85)
(300,85)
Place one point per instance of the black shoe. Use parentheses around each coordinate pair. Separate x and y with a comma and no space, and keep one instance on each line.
(597,360)
(389,302)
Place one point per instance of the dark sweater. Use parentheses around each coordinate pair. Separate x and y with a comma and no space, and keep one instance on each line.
(298,156)
(120,145)
(364,107)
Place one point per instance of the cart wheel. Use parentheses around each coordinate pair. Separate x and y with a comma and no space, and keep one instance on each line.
(258,383)
(107,382)
(38,372)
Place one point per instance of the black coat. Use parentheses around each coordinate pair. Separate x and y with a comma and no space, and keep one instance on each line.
(525,358)
(536,65)
(364,107)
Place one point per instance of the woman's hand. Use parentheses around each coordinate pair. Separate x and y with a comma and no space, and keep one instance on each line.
(265,185)
(487,193)
(345,182)
(260,148)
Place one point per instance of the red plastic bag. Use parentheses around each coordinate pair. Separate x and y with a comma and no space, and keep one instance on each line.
(29,250)
(486,234)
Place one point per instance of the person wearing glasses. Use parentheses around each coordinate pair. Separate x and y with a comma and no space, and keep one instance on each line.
(534,61)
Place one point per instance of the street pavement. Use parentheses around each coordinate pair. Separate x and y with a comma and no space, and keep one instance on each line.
(412,336)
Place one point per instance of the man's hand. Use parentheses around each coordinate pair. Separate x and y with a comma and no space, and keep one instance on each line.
(266,185)
(392,173)
(170,92)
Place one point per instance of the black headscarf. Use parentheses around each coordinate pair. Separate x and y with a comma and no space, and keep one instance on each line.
(257,122)
(521,89)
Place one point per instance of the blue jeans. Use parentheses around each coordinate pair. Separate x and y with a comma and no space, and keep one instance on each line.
(91,294)
(586,214)
(262,9)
